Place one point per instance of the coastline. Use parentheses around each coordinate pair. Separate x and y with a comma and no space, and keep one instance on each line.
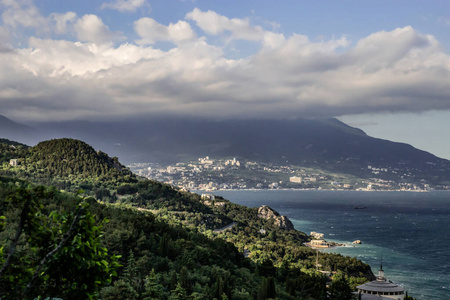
(416,221)
(318,190)
(331,245)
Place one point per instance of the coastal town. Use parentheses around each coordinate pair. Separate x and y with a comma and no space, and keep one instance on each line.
(210,174)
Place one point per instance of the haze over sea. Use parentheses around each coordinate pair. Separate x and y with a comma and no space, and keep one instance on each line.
(408,230)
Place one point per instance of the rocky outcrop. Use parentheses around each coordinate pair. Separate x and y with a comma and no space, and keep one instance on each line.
(268,213)
(284,223)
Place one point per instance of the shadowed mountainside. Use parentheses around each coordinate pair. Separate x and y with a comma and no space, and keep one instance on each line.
(320,143)
(15,131)
(327,143)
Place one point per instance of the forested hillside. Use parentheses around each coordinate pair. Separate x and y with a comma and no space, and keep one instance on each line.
(166,242)
(67,164)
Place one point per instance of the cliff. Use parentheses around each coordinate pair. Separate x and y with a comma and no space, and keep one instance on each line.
(268,213)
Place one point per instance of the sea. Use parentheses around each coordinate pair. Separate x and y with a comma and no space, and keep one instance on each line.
(407,232)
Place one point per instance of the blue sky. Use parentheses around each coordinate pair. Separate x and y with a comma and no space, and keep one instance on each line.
(382,66)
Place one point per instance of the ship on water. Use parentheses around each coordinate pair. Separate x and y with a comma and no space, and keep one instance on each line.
(359,207)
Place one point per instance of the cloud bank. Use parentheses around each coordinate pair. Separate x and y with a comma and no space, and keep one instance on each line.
(125,5)
(75,67)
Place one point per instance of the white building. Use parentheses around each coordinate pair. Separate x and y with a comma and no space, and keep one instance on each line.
(317,235)
(273,185)
(319,244)
(205,161)
(232,162)
(295,179)
(381,288)
(208,197)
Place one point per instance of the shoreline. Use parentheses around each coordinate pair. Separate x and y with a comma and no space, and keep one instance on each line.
(317,189)
(400,262)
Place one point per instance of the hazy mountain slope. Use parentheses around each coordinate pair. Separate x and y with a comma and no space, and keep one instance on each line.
(7,124)
(269,139)
(325,143)
(17,132)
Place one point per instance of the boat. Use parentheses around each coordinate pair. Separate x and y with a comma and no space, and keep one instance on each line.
(360,207)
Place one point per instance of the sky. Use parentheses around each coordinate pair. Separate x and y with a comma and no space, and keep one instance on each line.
(382,66)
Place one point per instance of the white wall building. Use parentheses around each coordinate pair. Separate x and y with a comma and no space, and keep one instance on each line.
(295,179)
(382,288)
(208,197)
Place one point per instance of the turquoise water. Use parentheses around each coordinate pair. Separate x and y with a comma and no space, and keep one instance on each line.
(408,230)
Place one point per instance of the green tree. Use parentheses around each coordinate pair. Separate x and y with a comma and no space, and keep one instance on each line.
(131,274)
(184,278)
(267,290)
(267,268)
(340,288)
(164,245)
(153,289)
(179,293)
(52,254)
(121,289)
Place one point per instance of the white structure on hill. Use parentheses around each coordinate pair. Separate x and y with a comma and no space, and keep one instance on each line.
(208,197)
(295,179)
(317,235)
(319,244)
(381,288)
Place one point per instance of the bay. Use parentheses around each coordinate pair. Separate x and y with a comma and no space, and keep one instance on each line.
(406,231)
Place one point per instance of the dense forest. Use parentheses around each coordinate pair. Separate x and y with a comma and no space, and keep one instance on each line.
(67,164)
(77,224)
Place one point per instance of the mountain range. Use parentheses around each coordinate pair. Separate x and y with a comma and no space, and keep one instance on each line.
(320,143)
(15,131)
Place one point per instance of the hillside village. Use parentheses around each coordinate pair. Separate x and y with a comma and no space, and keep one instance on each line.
(210,174)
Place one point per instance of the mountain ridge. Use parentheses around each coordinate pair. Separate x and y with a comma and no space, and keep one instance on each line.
(13,130)
(325,143)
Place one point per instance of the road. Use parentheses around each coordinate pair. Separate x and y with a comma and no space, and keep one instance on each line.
(229,226)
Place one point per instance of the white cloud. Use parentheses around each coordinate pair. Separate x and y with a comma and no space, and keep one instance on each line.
(60,21)
(22,13)
(273,40)
(151,31)
(214,24)
(4,41)
(54,59)
(289,76)
(125,5)
(383,49)
(20,17)
(90,28)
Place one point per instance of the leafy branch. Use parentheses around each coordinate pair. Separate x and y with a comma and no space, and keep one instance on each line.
(51,254)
